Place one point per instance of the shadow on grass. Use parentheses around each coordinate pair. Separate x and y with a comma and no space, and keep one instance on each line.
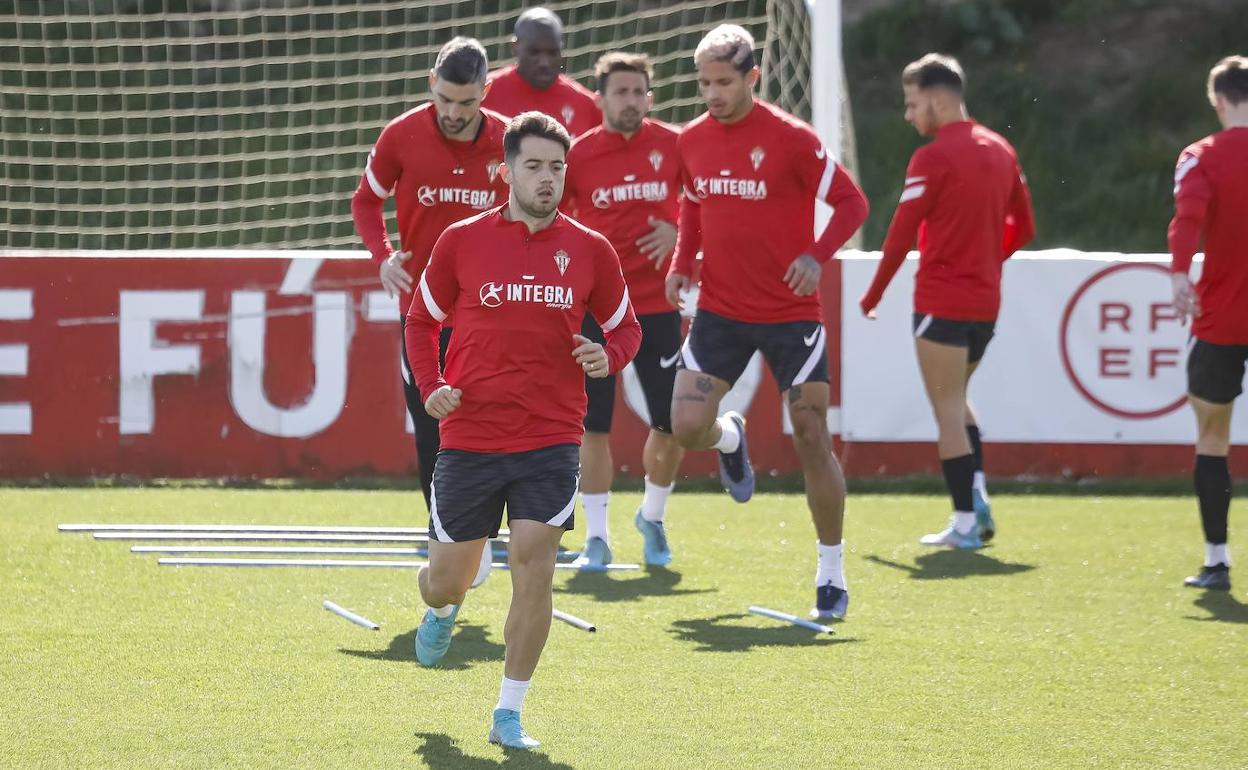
(716,635)
(953,563)
(1222,607)
(440,753)
(471,644)
(608,587)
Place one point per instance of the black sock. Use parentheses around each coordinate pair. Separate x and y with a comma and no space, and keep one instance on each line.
(959,475)
(977,446)
(1212,479)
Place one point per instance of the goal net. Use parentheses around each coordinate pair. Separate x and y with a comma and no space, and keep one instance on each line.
(142,124)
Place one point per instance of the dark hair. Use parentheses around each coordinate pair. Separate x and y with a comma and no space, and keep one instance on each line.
(537,20)
(461,61)
(1229,79)
(533,123)
(619,61)
(935,71)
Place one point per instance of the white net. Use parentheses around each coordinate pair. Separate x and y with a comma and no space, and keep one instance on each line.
(133,124)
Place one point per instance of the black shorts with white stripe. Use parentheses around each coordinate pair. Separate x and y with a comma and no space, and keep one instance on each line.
(654,364)
(972,335)
(796,351)
(470,490)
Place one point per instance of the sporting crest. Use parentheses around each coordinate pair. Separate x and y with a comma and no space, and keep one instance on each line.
(562,260)
(491,169)
(756,157)
(568,114)
(656,159)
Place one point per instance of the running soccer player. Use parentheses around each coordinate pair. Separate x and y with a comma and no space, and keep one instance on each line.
(966,199)
(535,82)
(752,174)
(623,180)
(1211,201)
(511,396)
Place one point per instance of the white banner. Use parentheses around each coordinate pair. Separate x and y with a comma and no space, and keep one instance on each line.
(1087,350)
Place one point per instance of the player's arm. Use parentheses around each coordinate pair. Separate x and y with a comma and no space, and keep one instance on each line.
(1020,220)
(1192,193)
(917,198)
(433,298)
(688,243)
(381,171)
(610,306)
(833,185)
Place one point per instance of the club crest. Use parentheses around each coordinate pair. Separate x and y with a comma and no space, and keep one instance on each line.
(491,169)
(756,157)
(568,114)
(656,159)
(562,260)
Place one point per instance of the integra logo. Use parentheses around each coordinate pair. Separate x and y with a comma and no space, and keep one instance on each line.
(477,199)
(559,297)
(745,189)
(650,192)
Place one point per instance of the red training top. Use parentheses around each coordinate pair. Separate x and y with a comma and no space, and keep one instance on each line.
(615,185)
(567,101)
(966,198)
(518,298)
(1211,198)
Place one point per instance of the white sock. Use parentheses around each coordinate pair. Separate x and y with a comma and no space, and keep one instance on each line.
(831,567)
(1217,554)
(511,694)
(980,483)
(963,522)
(654,502)
(595,507)
(443,612)
(730,437)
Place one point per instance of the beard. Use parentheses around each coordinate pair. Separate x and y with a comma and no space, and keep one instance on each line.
(535,206)
(627,122)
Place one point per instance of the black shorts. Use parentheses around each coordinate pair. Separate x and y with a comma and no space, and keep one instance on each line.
(1215,373)
(972,335)
(655,365)
(470,490)
(796,351)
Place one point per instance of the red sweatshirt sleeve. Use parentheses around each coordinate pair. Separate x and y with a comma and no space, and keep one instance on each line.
(611,308)
(432,300)
(917,196)
(688,229)
(381,171)
(849,210)
(1020,222)
(1191,204)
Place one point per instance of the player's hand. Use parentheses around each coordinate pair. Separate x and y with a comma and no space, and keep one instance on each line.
(591,356)
(1186,303)
(803,275)
(675,284)
(443,401)
(657,245)
(394,279)
(868,308)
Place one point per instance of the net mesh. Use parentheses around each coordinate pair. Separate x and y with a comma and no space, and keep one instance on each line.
(138,124)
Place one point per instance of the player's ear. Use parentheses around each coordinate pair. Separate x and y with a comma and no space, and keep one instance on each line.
(505,172)
(433,81)
(598,100)
(752,77)
(649,99)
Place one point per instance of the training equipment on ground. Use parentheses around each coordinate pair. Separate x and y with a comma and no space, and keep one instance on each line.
(573,620)
(343,612)
(226,550)
(294,537)
(787,618)
(254,528)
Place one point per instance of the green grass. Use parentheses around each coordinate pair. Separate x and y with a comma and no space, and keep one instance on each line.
(1071,643)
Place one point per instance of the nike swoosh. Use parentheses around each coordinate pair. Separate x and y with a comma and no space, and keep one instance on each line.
(811,339)
(666,363)
(821,153)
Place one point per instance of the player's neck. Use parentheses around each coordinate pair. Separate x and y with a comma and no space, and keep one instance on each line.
(953,114)
(610,129)
(740,115)
(1235,117)
(513,213)
(469,132)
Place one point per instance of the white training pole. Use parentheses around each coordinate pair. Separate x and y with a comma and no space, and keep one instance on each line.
(295,537)
(795,620)
(573,620)
(176,561)
(359,620)
(578,568)
(226,550)
(309,529)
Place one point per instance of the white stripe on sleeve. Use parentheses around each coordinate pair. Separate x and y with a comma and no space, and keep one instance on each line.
(378,190)
(825,183)
(432,306)
(618,315)
(912,192)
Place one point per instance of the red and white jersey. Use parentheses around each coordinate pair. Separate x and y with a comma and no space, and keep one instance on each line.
(435,181)
(567,101)
(615,185)
(750,190)
(1211,200)
(966,199)
(518,298)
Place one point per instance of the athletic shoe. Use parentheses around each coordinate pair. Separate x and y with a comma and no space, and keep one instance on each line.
(734,467)
(1215,578)
(830,603)
(507,731)
(433,638)
(983,516)
(483,569)
(952,538)
(596,554)
(655,549)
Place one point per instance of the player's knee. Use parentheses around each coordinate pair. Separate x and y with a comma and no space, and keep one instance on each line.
(810,433)
(689,431)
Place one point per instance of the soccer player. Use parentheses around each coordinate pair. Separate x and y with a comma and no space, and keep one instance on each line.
(623,180)
(1211,201)
(966,199)
(752,174)
(441,161)
(511,397)
(535,82)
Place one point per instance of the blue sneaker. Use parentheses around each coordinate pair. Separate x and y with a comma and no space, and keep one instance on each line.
(656,550)
(983,516)
(734,467)
(507,731)
(433,638)
(952,538)
(595,555)
(830,603)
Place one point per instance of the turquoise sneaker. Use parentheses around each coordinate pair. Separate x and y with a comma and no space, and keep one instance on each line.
(595,555)
(507,731)
(655,548)
(952,538)
(983,516)
(433,638)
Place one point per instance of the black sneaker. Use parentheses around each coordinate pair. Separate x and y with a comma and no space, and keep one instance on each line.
(1215,578)
(734,467)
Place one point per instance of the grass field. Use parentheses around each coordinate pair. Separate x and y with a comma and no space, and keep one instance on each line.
(1070,643)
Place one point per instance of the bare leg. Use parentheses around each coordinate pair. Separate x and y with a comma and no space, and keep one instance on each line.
(450,571)
(531,554)
(944,369)
(825,483)
(597,464)
(695,407)
(661,457)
